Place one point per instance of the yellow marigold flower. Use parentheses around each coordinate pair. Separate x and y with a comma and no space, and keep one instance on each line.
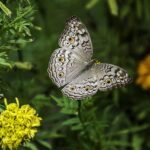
(144,73)
(17,124)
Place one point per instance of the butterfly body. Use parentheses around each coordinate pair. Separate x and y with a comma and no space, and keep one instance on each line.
(72,68)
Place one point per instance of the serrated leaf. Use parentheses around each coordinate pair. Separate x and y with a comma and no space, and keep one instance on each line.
(67,106)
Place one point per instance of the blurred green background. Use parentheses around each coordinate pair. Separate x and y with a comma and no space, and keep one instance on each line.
(120,31)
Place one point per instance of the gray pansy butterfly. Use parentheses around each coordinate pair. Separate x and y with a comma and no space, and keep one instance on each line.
(72,68)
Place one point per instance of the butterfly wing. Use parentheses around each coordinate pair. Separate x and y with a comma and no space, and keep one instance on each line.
(68,65)
(99,76)
(64,66)
(111,76)
(85,85)
(76,37)
(75,53)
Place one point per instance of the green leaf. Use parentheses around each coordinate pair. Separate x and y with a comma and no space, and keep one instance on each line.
(67,106)
(23,65)
(31,146)
(137,142)
(45,144)
(139,8)
(5,9)
(113,6)
(71,121)
(130,130)
(3,60)
(91,4)
(2,107)
(74,123)
(117,143)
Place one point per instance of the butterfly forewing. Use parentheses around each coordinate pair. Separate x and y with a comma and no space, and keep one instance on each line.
(76,37)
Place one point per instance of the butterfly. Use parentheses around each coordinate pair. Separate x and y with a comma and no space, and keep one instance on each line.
(71,67)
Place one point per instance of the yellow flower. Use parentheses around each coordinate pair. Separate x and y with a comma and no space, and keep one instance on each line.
(17,124)
(144,73)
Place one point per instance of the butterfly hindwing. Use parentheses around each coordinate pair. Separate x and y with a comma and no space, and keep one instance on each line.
(99,76)
(85,85)
(111,76)
(64,66)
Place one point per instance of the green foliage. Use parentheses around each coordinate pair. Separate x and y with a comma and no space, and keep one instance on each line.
(113,7)
(5,9)
(91,4)
(120,31)
(3,60)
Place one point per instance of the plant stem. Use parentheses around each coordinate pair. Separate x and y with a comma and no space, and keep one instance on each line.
(79,111)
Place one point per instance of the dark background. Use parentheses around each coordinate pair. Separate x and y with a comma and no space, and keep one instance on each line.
(120,32)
